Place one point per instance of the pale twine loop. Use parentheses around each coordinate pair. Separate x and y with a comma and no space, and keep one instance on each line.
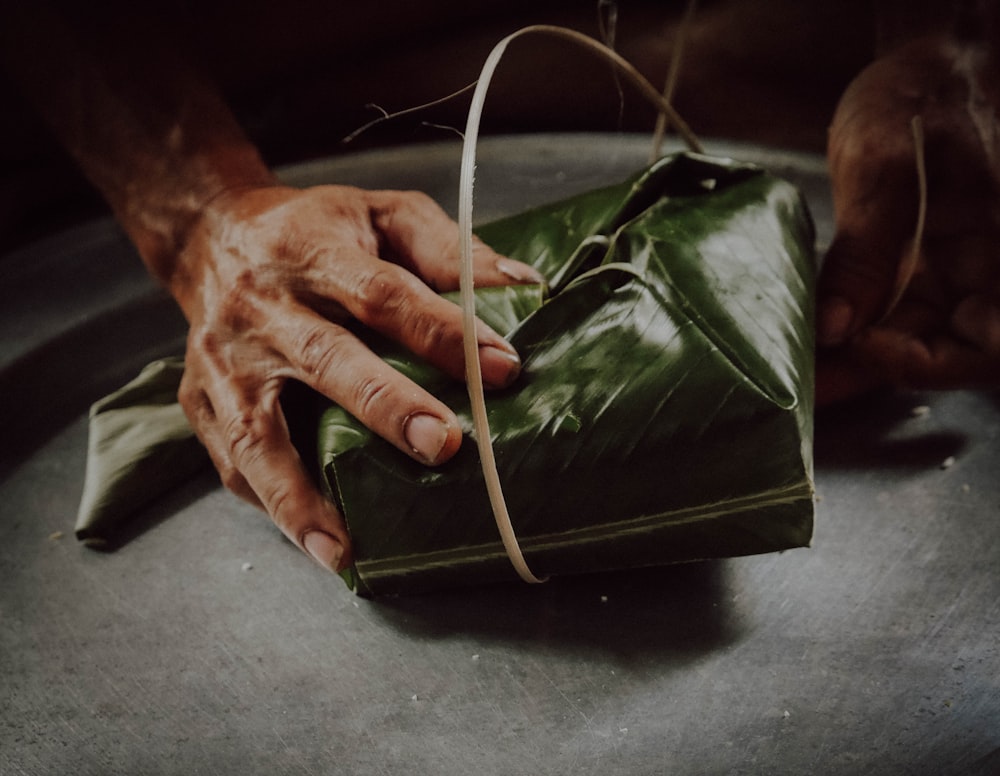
(673,74)
(908,263)
(474,379)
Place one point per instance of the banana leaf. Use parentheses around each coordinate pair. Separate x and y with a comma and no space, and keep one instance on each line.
(140,446)
(664,410)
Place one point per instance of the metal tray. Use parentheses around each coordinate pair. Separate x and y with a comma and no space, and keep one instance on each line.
(208,644)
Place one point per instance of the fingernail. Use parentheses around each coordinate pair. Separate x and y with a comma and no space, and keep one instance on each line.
(326,550)
(499,367)
(834,320)
(426,435)
(523,273)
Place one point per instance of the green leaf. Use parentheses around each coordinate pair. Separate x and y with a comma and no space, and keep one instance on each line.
(664,409)
(140,446)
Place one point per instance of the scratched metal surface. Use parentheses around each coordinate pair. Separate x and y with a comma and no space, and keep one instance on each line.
(876,651)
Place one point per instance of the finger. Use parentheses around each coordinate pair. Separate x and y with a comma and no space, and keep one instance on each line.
(421,236)
(257,442)
(333,361)
(394,302)
(205,423)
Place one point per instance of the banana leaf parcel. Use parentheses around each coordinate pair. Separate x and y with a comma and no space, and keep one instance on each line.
(664,410)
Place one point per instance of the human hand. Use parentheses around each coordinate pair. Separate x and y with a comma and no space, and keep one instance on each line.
(267,279)
(945,330)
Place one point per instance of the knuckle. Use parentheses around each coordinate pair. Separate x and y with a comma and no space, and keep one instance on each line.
(316,349)
(403,200)
(244,438)
(195,403)
(239,310)
(206,348)
(278,497)
(371,396)
(420,202)
(380,291)
(433,334)
(393,210)
(201,339)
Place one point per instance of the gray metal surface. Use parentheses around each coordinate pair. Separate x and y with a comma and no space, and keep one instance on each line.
(209,645)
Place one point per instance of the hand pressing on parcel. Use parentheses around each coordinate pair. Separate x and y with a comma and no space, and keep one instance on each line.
(268,279)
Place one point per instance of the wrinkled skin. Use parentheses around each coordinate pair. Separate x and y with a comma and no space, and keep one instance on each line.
(945,330)
(267,278)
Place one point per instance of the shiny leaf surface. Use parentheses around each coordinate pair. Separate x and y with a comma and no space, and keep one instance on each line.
(664,410)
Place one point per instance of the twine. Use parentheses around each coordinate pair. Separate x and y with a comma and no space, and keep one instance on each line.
(908,263)
(474,379)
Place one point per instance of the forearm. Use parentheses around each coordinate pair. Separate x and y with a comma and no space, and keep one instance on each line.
(147,130)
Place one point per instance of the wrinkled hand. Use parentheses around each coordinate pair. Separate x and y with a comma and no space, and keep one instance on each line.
(267,279)
(945,331)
